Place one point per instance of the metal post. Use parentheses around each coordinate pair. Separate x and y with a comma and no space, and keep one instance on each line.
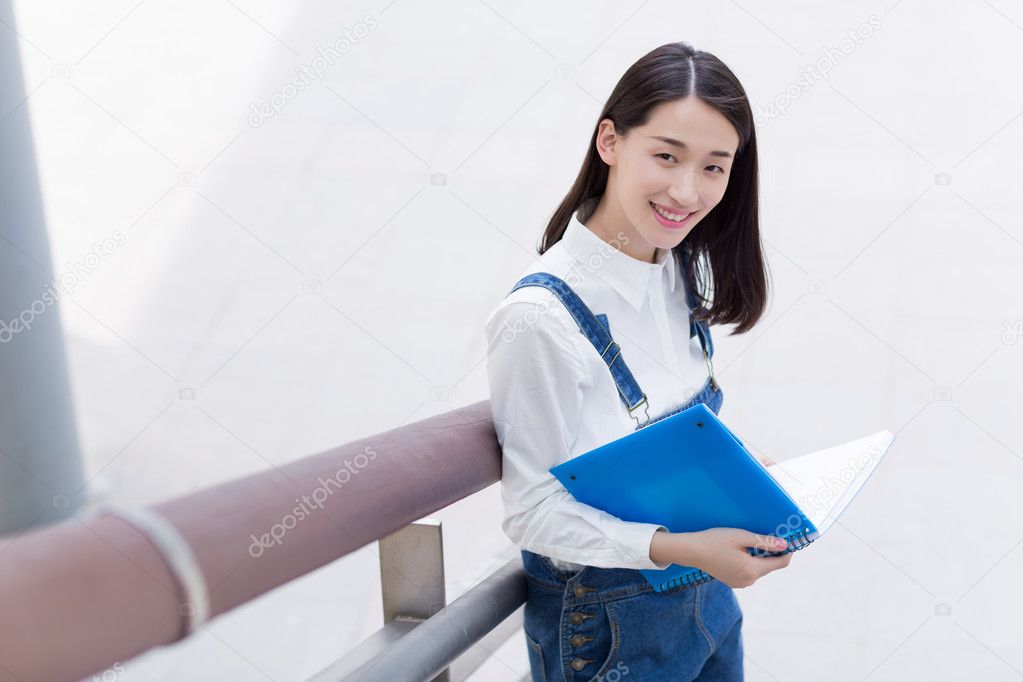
(40,469)
(412,575)
(462,636)
(432,646)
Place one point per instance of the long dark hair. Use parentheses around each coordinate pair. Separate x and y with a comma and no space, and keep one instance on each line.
(726,242)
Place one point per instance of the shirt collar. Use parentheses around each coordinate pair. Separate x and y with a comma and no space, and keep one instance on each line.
(629,276)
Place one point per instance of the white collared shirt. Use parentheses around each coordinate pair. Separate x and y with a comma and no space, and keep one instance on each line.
(553,397)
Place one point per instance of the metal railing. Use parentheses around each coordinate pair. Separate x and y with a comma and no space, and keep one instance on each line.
(102,591)
(92,589)
(423,638)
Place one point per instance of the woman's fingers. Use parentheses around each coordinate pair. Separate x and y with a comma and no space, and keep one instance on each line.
(768,564)
(769,543)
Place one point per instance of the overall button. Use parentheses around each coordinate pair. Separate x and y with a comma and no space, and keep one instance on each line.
(580,663)
(577,617)
(579,640)
(581,590)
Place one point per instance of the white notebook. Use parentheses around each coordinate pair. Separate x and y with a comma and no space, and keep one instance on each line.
(823,483)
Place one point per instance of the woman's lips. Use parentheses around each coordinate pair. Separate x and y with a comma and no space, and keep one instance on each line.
(671,223)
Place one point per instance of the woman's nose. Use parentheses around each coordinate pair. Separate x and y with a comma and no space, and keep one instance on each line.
(686,192)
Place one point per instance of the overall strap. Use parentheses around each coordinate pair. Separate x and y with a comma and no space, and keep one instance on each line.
(596,331)
(698,327)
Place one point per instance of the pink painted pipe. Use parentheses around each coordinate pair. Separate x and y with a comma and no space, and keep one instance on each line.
(78,596)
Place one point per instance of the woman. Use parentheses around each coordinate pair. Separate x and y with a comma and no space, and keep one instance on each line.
(664,206)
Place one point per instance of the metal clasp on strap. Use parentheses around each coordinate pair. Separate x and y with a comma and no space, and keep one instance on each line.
(710,368)
(646,411)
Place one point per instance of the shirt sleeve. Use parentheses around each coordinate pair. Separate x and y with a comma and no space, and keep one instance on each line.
(536,378)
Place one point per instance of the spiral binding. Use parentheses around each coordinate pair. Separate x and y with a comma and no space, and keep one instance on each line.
(686,581)
(796,541)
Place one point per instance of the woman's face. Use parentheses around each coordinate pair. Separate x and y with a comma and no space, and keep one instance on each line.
(679,161)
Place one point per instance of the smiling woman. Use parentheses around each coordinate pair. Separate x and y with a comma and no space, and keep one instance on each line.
(653,160)
(673,164)
(665,204)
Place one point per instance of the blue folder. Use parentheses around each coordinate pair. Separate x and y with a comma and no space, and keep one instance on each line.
(687,472)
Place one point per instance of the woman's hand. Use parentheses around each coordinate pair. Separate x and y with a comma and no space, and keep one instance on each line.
(766,461)
(721,552)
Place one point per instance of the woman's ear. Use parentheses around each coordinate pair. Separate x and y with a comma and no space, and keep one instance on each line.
(607,141)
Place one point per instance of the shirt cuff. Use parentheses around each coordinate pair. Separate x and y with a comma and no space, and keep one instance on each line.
(636,538)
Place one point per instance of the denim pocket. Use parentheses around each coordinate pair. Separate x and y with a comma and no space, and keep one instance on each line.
(536,662)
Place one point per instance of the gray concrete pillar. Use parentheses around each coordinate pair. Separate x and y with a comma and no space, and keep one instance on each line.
(40,468)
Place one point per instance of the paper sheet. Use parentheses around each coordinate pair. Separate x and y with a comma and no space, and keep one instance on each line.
(823,483)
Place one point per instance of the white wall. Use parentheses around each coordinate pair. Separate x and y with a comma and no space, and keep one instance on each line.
(895,300)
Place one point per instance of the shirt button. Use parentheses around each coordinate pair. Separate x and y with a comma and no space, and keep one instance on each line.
(580,663)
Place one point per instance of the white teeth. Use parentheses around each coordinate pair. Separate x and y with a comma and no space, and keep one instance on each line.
(669,216)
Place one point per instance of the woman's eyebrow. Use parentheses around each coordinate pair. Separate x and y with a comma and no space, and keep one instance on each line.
(682,145)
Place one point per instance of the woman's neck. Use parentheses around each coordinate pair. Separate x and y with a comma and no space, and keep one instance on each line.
(610,224)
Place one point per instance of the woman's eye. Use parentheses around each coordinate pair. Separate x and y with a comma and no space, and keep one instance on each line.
(665,154)
(719,168)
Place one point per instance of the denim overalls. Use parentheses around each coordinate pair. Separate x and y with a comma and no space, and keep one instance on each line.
(608,624)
